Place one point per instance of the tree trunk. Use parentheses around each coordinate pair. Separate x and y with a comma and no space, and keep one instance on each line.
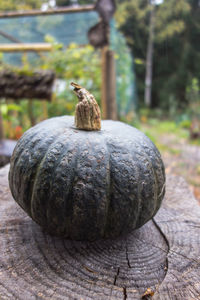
(161,259)
(149,58)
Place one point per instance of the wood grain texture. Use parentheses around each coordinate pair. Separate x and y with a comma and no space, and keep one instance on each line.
(163,255)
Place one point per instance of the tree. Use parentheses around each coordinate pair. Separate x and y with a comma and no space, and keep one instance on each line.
(132,19)
(176,45)
(149,57)
(171,51)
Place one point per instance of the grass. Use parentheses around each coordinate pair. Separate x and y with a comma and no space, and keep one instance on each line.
(166,134)
(159,127)
(157,130)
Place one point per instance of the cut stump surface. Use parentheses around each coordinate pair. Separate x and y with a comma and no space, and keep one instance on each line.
(161,260)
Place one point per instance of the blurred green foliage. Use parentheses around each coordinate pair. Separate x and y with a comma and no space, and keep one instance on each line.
(10,5)
(125,76)
(74,63)
(81,65)
(176,48)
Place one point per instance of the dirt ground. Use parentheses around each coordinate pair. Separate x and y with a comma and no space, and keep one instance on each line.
(183,159)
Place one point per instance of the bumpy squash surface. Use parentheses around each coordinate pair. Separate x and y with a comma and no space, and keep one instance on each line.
(87,185)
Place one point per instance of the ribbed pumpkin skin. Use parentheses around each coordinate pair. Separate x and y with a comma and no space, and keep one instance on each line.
(87,185)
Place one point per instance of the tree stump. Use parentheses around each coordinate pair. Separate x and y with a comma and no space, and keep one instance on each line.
(6,150)
(161,260)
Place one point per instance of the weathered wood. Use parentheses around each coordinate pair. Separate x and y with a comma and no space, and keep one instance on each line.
(1,126)
(9,37)
(21,47)
(38,12)
(108,98)
(7,147)
(13,39)
(106,9)
(103,80)
(98,35)
(31,113)
(163,255)
(15,85)
(6,150)
(111,85)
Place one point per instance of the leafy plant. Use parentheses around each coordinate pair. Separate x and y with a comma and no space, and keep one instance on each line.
(74,63)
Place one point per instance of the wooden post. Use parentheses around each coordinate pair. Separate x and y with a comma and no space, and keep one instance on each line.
(45,110)
(108,99)
(25,47)
(52,11)
(13,39)
(31,113)
(1,126)
(103,85)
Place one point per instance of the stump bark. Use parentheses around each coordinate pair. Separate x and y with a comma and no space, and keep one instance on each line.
(161,260)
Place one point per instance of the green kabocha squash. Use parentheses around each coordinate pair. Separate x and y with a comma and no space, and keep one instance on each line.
(89,180)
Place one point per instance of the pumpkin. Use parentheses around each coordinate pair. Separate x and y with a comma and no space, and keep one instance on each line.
(95,180)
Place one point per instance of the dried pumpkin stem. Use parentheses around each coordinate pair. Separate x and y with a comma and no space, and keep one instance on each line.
(87,114)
